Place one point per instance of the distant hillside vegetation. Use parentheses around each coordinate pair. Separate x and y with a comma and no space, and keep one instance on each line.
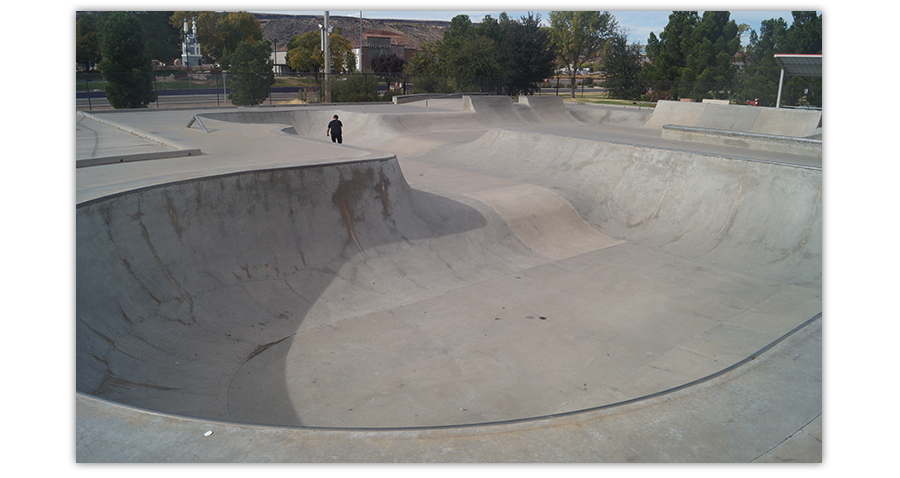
(412,33)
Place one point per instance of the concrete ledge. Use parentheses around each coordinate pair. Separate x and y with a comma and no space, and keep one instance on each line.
(127,158)
(399,100)
(136,132)
(754,141)
(179,149)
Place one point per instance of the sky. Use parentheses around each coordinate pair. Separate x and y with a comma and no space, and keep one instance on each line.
(637,23)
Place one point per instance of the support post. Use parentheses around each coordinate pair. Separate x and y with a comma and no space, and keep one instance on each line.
(327,62)
(780,84)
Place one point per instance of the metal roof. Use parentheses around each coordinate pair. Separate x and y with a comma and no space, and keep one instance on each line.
(800,65)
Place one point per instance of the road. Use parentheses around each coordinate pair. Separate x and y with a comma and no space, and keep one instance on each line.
(178,100)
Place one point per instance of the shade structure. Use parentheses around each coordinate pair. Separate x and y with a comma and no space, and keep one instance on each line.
(797,65)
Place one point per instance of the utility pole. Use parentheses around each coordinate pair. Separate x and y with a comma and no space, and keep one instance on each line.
(327,62)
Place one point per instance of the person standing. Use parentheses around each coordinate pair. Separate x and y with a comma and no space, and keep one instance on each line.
(334,129)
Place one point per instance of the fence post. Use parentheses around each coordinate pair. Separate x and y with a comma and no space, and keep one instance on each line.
(90,106)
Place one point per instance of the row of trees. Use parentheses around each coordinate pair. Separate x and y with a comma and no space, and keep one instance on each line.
(516,51)
(695,56)
(122,45)
(701,56)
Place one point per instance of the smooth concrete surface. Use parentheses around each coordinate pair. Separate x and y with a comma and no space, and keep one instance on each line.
(749,119)
(762,142)
(125,144)
(454,283)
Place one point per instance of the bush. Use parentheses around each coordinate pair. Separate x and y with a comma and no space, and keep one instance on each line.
(125,65)
(251,68)
(354,89)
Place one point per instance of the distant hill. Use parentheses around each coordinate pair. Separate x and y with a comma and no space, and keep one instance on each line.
(411,33)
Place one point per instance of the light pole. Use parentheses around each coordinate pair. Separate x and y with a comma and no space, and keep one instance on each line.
(327,61)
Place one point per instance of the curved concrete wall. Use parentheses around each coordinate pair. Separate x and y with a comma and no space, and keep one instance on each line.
(748,119)
(759,218)
(178,286)
(185,291)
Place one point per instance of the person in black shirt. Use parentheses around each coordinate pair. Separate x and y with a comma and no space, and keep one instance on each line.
(334,128)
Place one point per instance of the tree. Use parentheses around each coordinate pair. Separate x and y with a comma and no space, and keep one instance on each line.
(515,52)
(163,40)
(527,57)
(666,55)
(711,59)
(87,40)
(234,28)
(126,65)
(304,53)
(354,88)
(207,28)
(220,33)
(694,57)
(762,72)
(580,36)
(621,66)
(252,72)
(384,64)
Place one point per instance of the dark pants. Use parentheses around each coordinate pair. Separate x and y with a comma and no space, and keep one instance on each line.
(336,138)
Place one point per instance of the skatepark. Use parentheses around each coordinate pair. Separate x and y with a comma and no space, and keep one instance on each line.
(467,279)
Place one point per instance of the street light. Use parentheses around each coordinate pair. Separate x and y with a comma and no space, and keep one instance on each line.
(326,32)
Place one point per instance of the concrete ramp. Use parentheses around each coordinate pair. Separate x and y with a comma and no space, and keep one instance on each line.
(629,117)
(749,119)
(496,281)
(760,219)
(492,110)
(548,109)
(544,221)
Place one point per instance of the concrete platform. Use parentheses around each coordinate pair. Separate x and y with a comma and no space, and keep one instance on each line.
(458,282)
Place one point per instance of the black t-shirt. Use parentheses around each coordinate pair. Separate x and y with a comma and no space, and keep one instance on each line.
(335,126)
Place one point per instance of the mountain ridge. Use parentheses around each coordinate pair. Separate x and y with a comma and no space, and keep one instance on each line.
(280,28)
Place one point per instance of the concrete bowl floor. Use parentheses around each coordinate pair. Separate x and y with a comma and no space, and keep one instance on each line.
(452,265)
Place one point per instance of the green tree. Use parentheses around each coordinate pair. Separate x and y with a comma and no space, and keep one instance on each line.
(424,70)
(667,56)
(252,72)
(87,40)
(384,64)
(304,52)
(233,29)
(163,40)
(354,88)
(580,36)
(470,57)
(710,66)
(621,66)
(527,56)
(126,65)
(694,57)
(220,33)
(762,72)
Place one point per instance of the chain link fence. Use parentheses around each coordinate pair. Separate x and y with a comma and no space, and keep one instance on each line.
(800,92)
(372,87)
(306,87)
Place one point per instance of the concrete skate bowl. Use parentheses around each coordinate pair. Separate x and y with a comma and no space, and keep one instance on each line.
(338,296)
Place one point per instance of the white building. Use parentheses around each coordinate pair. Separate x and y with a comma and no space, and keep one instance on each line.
(190,48)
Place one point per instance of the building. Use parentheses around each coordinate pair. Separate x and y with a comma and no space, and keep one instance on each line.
(190,47)
(377,43)
(279,60)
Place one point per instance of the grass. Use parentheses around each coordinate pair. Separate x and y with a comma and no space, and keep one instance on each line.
(596,97)
(96,83)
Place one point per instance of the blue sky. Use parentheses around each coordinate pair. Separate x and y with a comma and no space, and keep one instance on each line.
(638,23)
